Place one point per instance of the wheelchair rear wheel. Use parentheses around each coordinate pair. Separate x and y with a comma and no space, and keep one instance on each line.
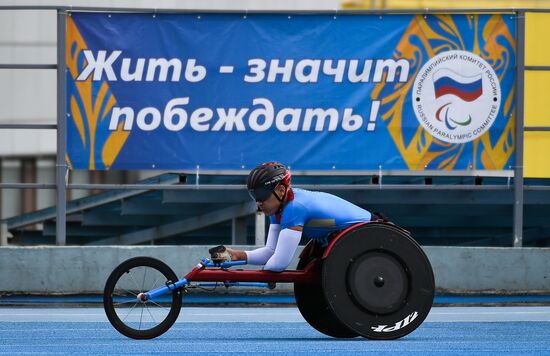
(378,281)
(313,306)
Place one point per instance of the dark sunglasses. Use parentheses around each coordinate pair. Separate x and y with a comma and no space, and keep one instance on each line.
(261,194)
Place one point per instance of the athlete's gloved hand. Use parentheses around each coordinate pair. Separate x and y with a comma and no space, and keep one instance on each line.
(219,254)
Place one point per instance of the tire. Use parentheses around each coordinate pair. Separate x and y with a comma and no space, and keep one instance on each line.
(131,277)
(313,306)
(378,281)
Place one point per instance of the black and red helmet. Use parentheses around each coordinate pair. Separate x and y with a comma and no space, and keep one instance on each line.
(263,179)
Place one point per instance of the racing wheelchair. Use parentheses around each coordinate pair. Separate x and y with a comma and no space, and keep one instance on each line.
(372,280)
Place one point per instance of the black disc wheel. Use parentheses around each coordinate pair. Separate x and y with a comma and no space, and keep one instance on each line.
(131,316)
(314,308)
(378,281)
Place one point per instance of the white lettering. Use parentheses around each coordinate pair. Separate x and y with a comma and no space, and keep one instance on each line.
(164,66)
(155,119)
(310,66)
(391,65)
(321,115)
(337,72)
(199,119)
(171,111)
(362,77)
(229,119)
(193,72)
(294,114)
(137,75)
(275,69)
(260,118)
(266,112)
(399,325)
(116,115)
(99,65)
(351,121)
(257,67)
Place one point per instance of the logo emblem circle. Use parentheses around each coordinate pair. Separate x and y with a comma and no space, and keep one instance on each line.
(456,96)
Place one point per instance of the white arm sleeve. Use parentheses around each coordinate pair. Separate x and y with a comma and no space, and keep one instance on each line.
(261,255)
(286,247)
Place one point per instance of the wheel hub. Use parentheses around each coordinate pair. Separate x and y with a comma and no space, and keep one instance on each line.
(378,282)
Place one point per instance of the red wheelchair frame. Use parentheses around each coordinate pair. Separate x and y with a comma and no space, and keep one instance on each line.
(310,274)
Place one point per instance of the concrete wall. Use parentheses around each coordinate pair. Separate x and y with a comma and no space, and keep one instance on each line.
(84,269)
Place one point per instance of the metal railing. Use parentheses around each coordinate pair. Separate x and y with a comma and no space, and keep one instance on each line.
(60,66)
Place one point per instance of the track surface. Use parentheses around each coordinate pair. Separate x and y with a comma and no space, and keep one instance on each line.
(451,330)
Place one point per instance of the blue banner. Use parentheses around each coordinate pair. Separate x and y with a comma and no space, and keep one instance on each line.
(316,92)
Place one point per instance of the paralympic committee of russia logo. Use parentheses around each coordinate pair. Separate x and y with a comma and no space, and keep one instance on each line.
(456,96)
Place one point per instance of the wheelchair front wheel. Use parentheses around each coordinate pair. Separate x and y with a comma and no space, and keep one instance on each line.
(132,317)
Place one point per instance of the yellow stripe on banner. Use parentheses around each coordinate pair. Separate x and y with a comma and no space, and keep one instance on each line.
(443,4)
(113,145)
(68,160)
(78,120)
(536,160)
(537,97)
(537,32)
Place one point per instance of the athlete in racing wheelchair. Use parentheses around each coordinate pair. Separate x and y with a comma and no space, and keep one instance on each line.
(319,216)
(358,275)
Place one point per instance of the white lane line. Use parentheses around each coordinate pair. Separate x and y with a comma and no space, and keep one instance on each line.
(494,313)
(262,315)
(240,314)
(46,314)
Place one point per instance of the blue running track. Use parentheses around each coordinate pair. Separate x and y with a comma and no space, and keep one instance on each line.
(280,331)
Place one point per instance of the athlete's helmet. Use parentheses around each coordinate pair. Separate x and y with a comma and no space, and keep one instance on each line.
(263,179)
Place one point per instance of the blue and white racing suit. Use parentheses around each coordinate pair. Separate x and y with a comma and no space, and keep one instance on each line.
(319,214)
